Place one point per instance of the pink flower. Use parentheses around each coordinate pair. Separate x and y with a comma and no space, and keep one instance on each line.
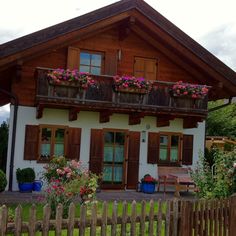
(234,165)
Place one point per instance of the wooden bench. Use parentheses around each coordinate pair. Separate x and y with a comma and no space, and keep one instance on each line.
(179,177)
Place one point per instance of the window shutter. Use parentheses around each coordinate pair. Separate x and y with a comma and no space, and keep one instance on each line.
(96,151)
(31,142)
(111,63)
(133,160)
(187,155)
(73,147)
(153,148)
(73,58)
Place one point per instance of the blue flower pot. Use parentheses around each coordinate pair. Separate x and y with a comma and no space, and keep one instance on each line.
(25,187)
(37,185)
(148,187)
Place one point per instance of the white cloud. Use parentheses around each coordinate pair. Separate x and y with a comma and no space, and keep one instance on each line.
(4,113)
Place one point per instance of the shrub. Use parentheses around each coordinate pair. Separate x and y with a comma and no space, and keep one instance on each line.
(67,180)
(3,181)
(218,181)
(25,175)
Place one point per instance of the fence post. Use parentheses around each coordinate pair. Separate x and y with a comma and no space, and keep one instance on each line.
(232,215)
(185,220)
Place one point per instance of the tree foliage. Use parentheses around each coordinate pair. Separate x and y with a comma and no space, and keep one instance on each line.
(3,144)
(221,122)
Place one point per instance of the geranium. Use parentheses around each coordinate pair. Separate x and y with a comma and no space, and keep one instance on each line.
(148,179)
(130,82)
(83,79)
(193,90)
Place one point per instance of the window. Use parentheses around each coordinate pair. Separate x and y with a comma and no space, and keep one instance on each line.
(146,68)
(52,142)
(91,62)
(169,148)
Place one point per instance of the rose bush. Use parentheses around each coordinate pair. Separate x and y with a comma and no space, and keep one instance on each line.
(67,180)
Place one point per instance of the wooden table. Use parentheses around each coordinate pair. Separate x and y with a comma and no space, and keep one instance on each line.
(184,182)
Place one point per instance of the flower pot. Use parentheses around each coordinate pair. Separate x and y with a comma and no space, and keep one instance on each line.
(132,90)
(37,185)
(25,187)
(148,187)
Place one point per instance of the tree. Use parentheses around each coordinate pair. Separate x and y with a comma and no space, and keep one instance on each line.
(4,129)
(221,122)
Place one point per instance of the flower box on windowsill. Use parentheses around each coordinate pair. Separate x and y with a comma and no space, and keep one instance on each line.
(131,90)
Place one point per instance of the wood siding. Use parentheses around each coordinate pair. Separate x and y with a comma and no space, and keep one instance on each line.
(108,42)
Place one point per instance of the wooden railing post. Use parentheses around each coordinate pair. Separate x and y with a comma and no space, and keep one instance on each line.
(185,220)
(232,215)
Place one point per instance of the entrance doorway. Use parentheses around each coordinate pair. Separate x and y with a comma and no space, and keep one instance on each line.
(114,156)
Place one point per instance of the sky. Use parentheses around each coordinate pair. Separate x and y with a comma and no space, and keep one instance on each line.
(212,23)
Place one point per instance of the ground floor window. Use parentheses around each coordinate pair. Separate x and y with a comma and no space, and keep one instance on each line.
(170,148)
(52,142)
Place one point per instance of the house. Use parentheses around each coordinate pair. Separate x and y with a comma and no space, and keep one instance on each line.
(122,134)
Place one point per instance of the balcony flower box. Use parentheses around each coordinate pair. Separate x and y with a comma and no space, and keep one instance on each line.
(71,78)
(130,84)
(186,90)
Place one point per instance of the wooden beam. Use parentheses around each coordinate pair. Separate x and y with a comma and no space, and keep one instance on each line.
(39,111)
(73,113)
(191,122)
(135,118)
(164,120)
(104,116)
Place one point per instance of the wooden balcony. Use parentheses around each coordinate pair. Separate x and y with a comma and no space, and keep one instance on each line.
(105,100)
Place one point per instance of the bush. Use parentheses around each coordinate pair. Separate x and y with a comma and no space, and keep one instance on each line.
(218,181)
(25,175)
(67,180)
(3,181)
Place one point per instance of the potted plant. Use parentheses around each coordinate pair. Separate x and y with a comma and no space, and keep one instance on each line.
(3,181)
(148,184)
(25,178)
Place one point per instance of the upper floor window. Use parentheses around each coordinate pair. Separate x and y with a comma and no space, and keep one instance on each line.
(91,62)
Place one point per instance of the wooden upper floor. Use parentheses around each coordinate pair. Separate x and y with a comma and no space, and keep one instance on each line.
(125,38)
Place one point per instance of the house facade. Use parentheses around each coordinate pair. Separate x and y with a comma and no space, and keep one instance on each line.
(121,134)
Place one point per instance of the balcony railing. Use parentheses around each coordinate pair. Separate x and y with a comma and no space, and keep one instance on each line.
(103,96)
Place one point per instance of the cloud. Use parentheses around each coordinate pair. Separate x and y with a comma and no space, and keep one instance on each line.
(4,113)
(221,42)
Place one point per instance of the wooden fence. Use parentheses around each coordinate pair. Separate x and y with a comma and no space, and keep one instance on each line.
(177,218)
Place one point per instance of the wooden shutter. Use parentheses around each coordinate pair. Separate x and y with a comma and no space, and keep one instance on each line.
(73,58)
(133,160)
(153,148)
(96,151)
(31,142)
(111,63)
(187,155)
(73,146)
(146,68)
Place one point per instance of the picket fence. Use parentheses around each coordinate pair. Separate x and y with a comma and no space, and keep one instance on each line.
(177,218)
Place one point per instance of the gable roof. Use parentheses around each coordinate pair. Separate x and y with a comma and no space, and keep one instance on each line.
(30,41)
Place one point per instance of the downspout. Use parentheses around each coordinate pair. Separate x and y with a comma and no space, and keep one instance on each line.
(13,138)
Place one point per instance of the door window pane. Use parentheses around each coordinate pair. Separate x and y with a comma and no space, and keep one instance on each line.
(120,138)
(119,154)
(95,70)
(107,173)
(118,174)
(84,69)
(108,153)
(46,143)
(109,137)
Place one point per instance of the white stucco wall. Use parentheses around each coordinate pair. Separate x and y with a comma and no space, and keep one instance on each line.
(87,121)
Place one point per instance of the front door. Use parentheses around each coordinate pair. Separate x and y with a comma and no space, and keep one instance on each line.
(114,155)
